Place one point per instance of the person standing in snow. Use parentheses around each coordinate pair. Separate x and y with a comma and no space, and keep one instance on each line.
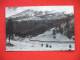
(54,33)
(70,47)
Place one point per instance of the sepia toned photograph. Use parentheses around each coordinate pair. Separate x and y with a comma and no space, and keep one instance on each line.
(40,28)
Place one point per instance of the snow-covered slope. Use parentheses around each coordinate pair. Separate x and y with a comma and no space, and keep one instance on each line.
(48,36)
(35,43)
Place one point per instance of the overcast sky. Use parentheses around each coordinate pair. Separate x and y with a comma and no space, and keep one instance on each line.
(11,11)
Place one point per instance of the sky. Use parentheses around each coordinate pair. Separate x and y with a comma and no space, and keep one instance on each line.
(12,11)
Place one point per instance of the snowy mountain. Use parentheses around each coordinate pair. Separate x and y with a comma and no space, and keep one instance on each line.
(37,15)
